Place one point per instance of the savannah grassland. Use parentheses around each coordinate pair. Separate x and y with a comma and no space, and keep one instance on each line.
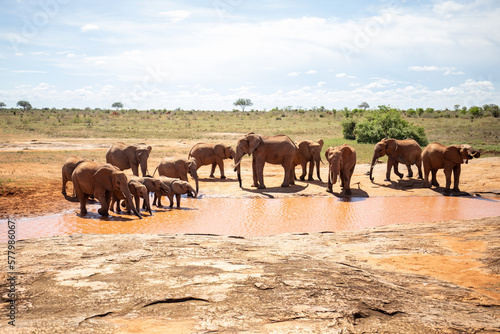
(158,128)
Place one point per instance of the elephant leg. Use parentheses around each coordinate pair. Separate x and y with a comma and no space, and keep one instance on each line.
(434,181)
(213,169)
(260,175)
(388,171)
(220,163)
(286,179)
(396,170)
(171,200)
(104,199)
(83,199)
(410,172)
(447,174)
(178,198)
(456,177)
(304,170)
(254,173)
(311,171)
(346,183)
(64,181)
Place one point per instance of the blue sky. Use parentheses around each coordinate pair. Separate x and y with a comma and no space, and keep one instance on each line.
(206,54)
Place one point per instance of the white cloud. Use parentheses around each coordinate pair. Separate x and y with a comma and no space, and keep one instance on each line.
(293,74)
(175,16)
(444,69)
(311,72)
(89,27)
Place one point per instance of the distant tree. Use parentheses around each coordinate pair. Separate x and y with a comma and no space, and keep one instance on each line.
(2,105)
(117,105)
(243,103)
(364,105)
(24,104)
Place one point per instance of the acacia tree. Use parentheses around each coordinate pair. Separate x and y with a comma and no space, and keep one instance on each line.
(2,105)
(364,105)
(243,103)
(24,104)
(117,105)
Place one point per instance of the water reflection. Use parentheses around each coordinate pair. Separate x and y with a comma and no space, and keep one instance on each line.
(255,217)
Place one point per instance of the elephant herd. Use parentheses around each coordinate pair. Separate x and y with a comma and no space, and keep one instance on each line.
(109,185)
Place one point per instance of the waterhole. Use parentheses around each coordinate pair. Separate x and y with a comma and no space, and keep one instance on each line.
(259,217)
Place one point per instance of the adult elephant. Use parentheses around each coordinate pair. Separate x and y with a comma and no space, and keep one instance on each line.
(407,152)
(101,180)
(450,158)
(67,169)
(278,150)
(210,154)
(342,160)
(309,152)
(126,156)
(179,168)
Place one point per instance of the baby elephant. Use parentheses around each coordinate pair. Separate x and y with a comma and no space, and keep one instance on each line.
(210,154)
(342,161)
(138,191)
(177,188)
(67,169)
(153,185)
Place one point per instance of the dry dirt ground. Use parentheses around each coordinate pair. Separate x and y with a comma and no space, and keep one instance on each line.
(421,278)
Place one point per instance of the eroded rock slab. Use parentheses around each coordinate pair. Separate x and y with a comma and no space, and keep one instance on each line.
(395,279)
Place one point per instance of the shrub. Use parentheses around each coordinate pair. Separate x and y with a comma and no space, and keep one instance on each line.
(348,127)
(387,123)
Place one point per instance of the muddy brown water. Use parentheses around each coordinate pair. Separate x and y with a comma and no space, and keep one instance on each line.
(259,217)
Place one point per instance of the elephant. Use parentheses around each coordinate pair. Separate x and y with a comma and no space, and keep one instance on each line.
(138,191)
(101,180)
(126,156)
(179,168)
(209,154)
(407,152)
(153,185)
(177,188)
(342,161)
(309,152)
(450,158)
(67,169)
(279,150)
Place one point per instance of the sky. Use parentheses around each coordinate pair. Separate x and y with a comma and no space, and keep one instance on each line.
(204,55)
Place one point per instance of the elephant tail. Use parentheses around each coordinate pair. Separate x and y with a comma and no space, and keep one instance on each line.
(155,171)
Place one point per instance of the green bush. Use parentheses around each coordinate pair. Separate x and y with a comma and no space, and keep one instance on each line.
(348,127)
(387,123)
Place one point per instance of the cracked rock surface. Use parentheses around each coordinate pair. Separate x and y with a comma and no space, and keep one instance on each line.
(392,279)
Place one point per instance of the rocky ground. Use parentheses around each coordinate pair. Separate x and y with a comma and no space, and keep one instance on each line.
(440,277)
(420,278)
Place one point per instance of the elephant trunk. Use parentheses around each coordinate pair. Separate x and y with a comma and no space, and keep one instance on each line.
(194,174)
(147,201)
(374,161)
(237,166)
(130,204)
(194,193)
(144,168)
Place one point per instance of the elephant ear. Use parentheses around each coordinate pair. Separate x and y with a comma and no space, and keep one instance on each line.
(103,176)
(220,151)
(253,142)
(327,153)
(304,149)
(391,146)
(346,152)
(149,148)
(452,154)
(321,142)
